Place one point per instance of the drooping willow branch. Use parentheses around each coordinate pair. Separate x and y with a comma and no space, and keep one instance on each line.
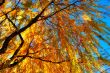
(102,38)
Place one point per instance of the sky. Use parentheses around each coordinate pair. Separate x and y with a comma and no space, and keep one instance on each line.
(103,44)
(106,19)
(106,52)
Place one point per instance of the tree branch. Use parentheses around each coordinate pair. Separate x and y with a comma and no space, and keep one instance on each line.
(22,41)
(13,8)
(58,11)
(5,44)
(16,62)
(40,58)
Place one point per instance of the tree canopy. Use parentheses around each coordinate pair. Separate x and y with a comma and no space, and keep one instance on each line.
(52,36)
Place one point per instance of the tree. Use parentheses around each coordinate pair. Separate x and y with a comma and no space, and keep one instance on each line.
(53,36)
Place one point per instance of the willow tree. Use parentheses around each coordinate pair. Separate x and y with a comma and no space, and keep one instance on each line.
(52,36)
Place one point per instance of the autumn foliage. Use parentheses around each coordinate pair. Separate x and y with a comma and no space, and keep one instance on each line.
(52,36)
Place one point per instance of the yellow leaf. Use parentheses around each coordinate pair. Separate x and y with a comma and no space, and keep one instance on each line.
(86,17)
(21,12)
(19,17)
(47,12)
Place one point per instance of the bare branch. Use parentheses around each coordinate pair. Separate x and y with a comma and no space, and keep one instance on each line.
(5,44)
(40,58)
(13,8)
(22,41)
(43,18)
(2,21)
(16,62)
